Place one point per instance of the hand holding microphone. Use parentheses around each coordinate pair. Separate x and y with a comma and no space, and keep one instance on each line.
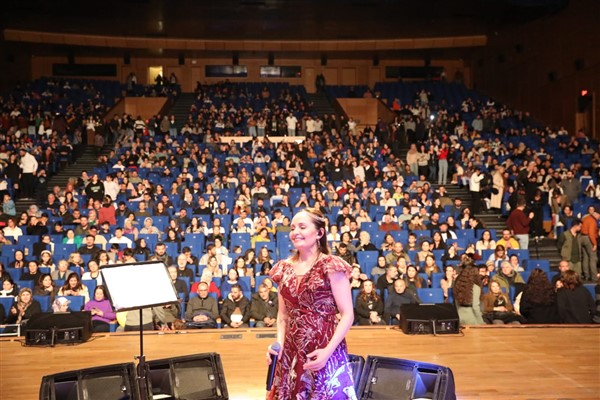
(272,355)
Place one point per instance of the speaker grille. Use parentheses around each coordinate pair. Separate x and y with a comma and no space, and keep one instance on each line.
(195,380)
(104,387)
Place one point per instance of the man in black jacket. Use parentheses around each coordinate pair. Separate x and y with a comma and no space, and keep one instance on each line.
(202,311)
(264,307)
(235,312)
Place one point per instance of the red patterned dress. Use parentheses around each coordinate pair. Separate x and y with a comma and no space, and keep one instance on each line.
(311,310)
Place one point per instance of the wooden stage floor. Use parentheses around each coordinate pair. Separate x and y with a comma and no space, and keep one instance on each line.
(488,362)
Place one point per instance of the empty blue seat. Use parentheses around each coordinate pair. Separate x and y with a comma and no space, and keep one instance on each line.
(541,264)
(367,259)
(522,254)
(591,287)
(77,302)
(44,301)
(91,285)
(431,295)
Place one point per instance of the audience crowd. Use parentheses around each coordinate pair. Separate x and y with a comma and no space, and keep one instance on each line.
(217,213)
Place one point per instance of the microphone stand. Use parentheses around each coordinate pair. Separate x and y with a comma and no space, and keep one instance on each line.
(537,248)
(141,367)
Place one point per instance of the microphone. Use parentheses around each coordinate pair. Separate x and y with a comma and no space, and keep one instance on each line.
(275,346)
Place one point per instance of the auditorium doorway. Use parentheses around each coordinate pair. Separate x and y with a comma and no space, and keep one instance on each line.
(153,72)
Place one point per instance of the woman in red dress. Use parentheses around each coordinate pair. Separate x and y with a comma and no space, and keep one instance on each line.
(315,313)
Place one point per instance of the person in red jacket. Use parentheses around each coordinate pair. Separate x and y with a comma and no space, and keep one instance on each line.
(443,164)
(589,243)
(518,222)
(107,213)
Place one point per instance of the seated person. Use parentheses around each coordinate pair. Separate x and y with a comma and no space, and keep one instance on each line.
(364,242)
(499,255)
(33,272)
(207,278)
(574,302)
(413,280)
(74,287)
(398,296)
(202,311)
(264,307)
(424,252)
(24,307)
(235,312)
(165,315)
(508,241)
(514,260)
(179,284)
(93,272)
(380,268)
(345,254)
(387,280)
(369,306)
(101,309)
(61,305)
(538,300)
(45,287)
(182,268)
(508,277)
(232,279)
(357,277)
(451,254)
(9,288)
(430,266)
(447,282)
(132,320)
(497,308)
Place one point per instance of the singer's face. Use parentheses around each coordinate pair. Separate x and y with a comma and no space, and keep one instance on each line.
(303,232)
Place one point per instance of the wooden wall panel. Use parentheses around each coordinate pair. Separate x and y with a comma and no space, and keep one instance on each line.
(145,107)
(349,76)
(548,45)
(364,111)
(337,72)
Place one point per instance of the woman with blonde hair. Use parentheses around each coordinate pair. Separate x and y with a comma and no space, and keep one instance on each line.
(497,308)
(364,242)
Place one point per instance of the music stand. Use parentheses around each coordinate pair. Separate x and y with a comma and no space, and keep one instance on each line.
(136,286)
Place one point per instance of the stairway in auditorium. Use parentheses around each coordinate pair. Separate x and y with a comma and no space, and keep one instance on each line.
(85,160)
(543,249)
(320,103)
(181,109)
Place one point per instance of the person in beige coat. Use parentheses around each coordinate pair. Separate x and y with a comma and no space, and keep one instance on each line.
(498,185)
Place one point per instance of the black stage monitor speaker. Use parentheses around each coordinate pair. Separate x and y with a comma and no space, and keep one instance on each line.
(109,382)
(429,318)
(194,377)
(396,379)
(48,329)
(357,364)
